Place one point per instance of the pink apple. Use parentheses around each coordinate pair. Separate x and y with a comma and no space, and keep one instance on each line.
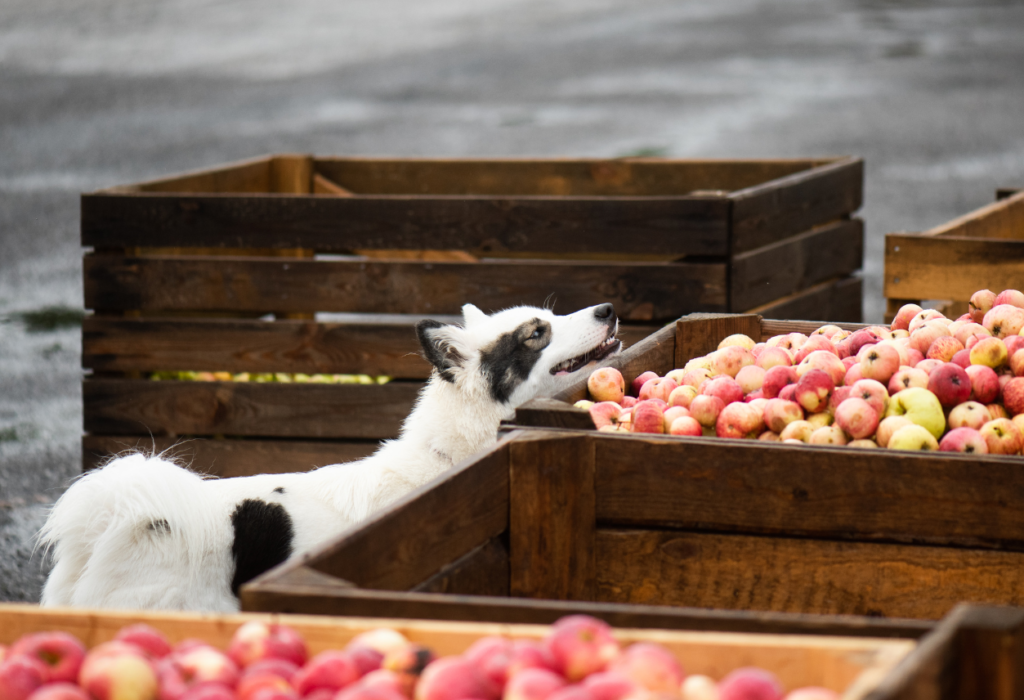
(1004,320)
(857,418)
(944,348)
(636,384)
(58,691)
(455,677)
(853,375)
(913,357)
(648,417)
(904,316)
(686,425)
(966,440)
(967,330)
(984,383)
(606,384)
(705,409)
(887,427)
(1013,344)
(1011,297)
(739,420)
(60,652)
(883,332)
(726,388)
(657,388)
(118,671)
(750,378)
(603,414)
(20,676)
(699,687)
(989,351)
(673,412)
(962,358)
(812,693)
(730,360)
(825,361)
(1017,362)
(928,366)
(750,684)
(650,666)
(878,362)
(257,640)
(608,685)
(776,378)
(980,304)
(773,357)
(840,336)
(923,317)
(814,344)
(922,338)
(827,435)
(630,401)
(1001,436)
(529,684)
(696,376)
(580,645)
(149,639)
(682,395)
(778,413)
(996,410)
(849,361)
(838,396)
(813,390)
(873,392)
(969,414)
(332,669)
(1013,396)
(950,384)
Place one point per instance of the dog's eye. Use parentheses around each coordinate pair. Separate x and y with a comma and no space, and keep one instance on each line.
(536,334)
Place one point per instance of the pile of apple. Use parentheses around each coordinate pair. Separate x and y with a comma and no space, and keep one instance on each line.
(925,383)
(578,660)
(264,377)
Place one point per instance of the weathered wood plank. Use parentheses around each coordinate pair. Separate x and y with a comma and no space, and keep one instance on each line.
(775,210)
(551,517)
(1003,219)
(990,654)
(561,177)
(930,267)
(291,174)
(380,345)
(779,269)
(246,176)
(747,486)
(699,334)
(640,292)
(799,575)
(426,530)
(652,225)
(484,571)
(143,407)
(837,301)
(771,327)
(227,458)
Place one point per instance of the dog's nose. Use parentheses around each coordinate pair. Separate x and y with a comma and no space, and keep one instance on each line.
(605,312)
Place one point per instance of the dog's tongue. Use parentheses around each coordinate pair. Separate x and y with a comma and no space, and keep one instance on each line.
(561,372)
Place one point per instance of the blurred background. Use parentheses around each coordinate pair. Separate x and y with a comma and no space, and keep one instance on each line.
(95,93)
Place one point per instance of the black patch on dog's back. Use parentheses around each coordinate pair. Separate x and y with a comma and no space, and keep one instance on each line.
(279,489)
(263,539)
(160,526)
(508,361)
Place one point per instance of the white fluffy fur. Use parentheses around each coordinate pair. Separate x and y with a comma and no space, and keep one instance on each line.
(108,555)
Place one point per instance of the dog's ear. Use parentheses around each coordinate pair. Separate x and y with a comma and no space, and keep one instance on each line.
(441,347)
(472,315)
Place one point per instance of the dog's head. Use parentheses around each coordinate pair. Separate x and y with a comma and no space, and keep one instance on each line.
(520,353)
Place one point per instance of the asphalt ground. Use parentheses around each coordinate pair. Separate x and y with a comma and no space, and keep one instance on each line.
(102,92)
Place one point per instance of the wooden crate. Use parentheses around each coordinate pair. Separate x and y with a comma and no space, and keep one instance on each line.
(855,667)
(225,270)
(980,250)
(576,515)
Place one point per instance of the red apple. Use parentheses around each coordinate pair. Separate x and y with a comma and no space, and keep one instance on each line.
(216,691)
(606,413)
(739,420)
(828,331)
(788,392)
(724,387)
(1011,297)
(705,409)
(814,344)
(853,375)
(928,366)
(812,693)
(252,682)
(20,676)
(610,686)
(967,330)
(980,304)
(329,669)
(606,384)
(813,390)
(922,338)
(637,384)
(1013,343)
(60,652)
(648,417)
(118,671)
(873,392)
(962,358)
(750,684)
(730,360)
(857,418)
(1013,396)
(257,640)
(996,410)
(838,396)
(778,413)
(878,362)
(969,414)
(984,383)
(1001,436)
(825,361)
(944,348)
(904,316)
(651,666)
(454,678)
(951,384)
(966,440)
(657,388)
(580,645)
(776,378)
(686,426)
(923,317)
(1003,320)
(861,338)
(149,639)
(528,684)
(58,691)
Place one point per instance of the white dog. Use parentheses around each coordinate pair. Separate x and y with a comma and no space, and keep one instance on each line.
(143,532)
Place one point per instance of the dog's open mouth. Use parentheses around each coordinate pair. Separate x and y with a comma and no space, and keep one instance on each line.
(608,346)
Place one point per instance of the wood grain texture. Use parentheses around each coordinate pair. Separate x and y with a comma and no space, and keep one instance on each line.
(551,517)
(426,530)
(555,177)
(551,413)
(1003,219)
(227,458)
(775,210)
(382,345)
(483,571)
(143,407)
(926,267)
(476,224)
(640,292)
(782,268)
(291,174)
(990,651)
(793,575)
(837,301)
(699,334)
(772,327)
(751,487)
(247,176)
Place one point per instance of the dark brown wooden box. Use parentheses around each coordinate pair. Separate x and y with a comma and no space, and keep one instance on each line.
(980,250)
(225,270)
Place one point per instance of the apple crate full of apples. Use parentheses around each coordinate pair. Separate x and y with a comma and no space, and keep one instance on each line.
(86,655)
(289,285)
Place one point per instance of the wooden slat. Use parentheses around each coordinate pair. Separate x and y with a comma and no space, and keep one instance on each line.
(771,327)
(143,407)
(247,176)
(799,661)
(651,225)
(990,651)
(640,292)
(699,334)
(837,301)
(1003,219)
(227,458)
(291,174)
(426,530)
(782,268)
(794,575)
(563,177)
(322,185)
(775,210)
(551,413)
(382,345)
(551,517)
(747,486)
(923,267)
(484,571)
